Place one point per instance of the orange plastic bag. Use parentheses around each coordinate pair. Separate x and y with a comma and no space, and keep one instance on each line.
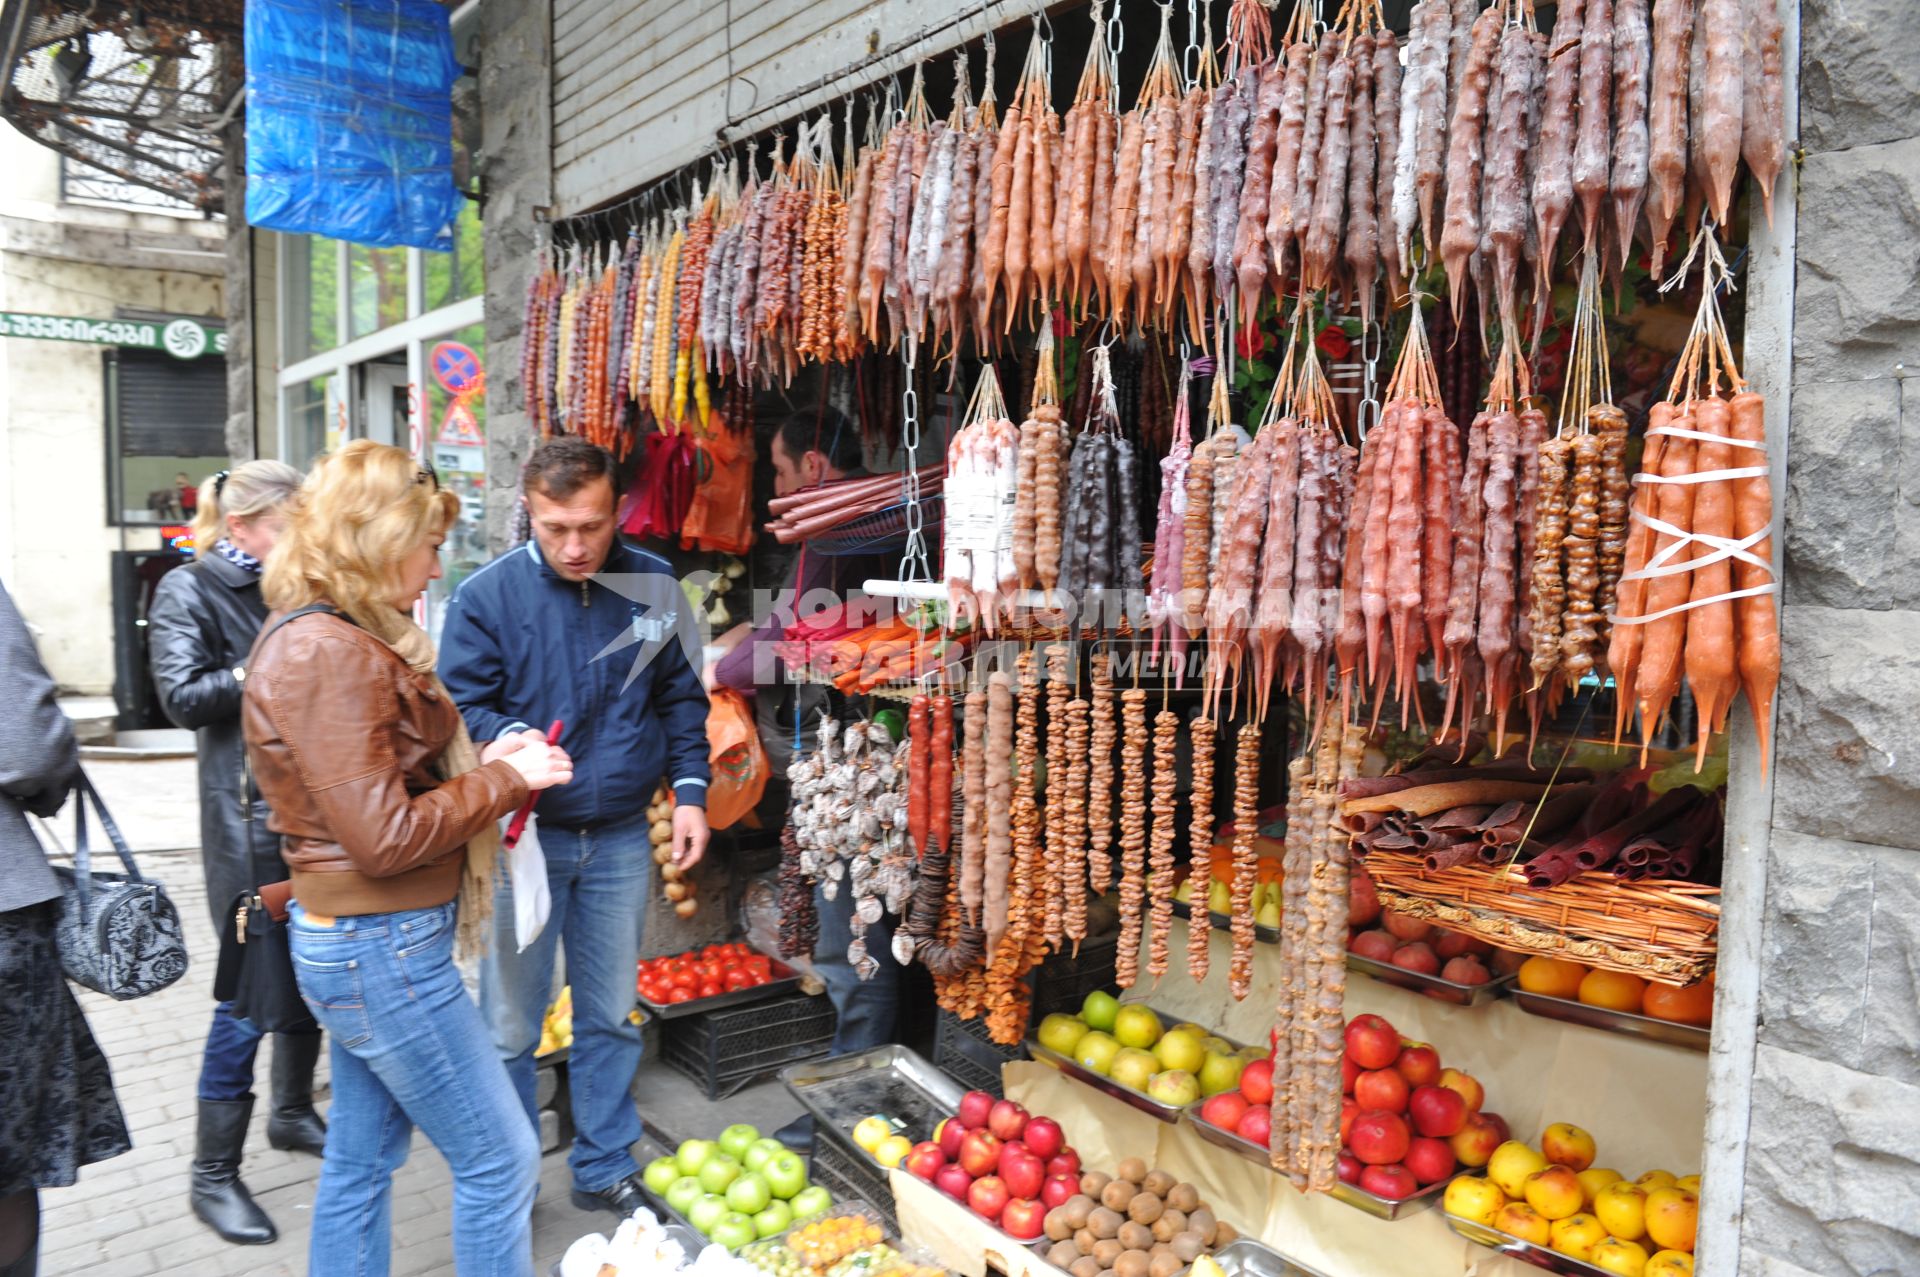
(738,759)
(720,516)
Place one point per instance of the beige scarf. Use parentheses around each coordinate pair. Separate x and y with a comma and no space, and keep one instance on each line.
(412,645)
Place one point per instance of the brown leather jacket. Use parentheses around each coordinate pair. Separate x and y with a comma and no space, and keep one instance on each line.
(343,736)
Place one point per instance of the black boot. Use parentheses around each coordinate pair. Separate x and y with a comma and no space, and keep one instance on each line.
(292,1124)
(219,1198)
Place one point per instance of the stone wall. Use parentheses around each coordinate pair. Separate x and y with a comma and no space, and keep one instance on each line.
(1832,1170)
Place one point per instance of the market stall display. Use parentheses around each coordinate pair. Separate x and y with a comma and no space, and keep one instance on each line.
(719,975)
(1128,1050)
(735,1188)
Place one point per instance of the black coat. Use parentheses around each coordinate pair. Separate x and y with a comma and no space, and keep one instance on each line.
(202,624)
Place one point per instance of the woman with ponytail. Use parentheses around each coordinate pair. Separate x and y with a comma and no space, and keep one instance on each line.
(202,625)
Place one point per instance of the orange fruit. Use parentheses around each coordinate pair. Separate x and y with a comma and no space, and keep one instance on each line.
(1691,1005)
(1553,977)
(1613,990)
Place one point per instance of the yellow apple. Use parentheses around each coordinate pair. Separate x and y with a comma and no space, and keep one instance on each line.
(1672,1216)
(870,1131)
(1617,1255)
(1554,1192)
(1510,1165)
(1668,1263)
(1517,1219)
(1567,1145)
(1622,1208)
(1576,1235)
(1474,1198)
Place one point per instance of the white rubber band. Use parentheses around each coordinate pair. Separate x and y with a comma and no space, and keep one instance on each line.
(1768,588)
(1706,436)
(1661,563)
(1706,476)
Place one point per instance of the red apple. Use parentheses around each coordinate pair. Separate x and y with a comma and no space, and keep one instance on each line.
(1419,1064)
(1363,902)
(951,1133)
(1024,1218)
(1469,1087)
(1381,1089)
(1500,1126)
(1392,1182)
(988,1197)
(1023,1173)
(1452,944)
(980,1153)
(1348,1111)
(1377,945)
(1007,1120)
(1044,1137)
(1405,926)
(1372,1043)
(1436,1111)
(1349,1073)
(1058,1189)
(1473,1144)
(974,1107)
(1256,1082)
(953,1180)
(1350,1167)
(1417,956)
(925,1160)
(1465,969)
(1256,1124)
(1065,1162)
(1379,1139)
(1429,1160)
(1224,1110)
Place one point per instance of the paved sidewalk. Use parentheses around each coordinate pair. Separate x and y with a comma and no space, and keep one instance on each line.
(128,1217)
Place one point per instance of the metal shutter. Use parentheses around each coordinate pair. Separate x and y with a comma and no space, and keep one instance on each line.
(171,407)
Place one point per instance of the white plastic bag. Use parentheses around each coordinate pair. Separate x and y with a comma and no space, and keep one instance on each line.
(527,870)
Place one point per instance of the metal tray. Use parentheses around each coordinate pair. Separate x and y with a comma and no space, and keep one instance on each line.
(1464,995)
(1125,1094)
(1524,1251)
(1352,1194)
(1245,1257)
(1693,1037)
(785,980)
(888,1080)
(1224,922)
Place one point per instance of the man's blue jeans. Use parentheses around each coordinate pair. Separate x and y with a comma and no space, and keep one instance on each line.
(409,1049)
(600,881)
(866,1009)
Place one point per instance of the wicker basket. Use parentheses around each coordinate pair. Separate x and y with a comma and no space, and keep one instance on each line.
(1658,929)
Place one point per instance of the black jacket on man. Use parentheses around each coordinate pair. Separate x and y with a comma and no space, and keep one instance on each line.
(202,624)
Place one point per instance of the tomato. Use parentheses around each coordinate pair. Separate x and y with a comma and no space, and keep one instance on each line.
(679,995)
(676,965)
(656,993)
(684,979)
(713,951)
(762,968)
(711,988)
(738,979)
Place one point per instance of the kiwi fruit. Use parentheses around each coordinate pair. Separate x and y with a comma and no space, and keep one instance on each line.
(1093,1183)
(1117,1194)
(1170,1224)
(1131,1264)
(1107,1251)
(1159,1183)
(1058,1229)
(1106,1223)
(1063,1254)
(1184,1198)
(1145,1207)
(1202,1222)
(1132,1169)
(1135,1236)
(1165,1264)
(1085,1266)
(1223,1232)
(1188,1246)
(1084,1239)
(1076,1209)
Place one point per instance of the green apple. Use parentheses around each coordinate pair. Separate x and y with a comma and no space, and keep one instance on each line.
(785,1174)
(719,1171)
(706,1212)
(776,1218)
(1133,1068)
(1061,1033)
(760,1152)
(1179,1049)
(1095,1052)
(734,1230)
(683,1193)
(810,1201)
(1099,1010)
(1220,1073)
(736,1138)
(1175,1086)
(1136,1026)
(692,1155)
(1251,1053)
(660,1174)
(749,1194)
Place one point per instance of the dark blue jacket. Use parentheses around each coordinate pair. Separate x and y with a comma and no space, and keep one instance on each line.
(521,647)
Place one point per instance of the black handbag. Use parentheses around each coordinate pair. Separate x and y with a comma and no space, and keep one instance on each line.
(256,962)
(117,934)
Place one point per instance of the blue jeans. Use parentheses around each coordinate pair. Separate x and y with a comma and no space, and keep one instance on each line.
(865,1009)
(409,1048)
(226,1065)
(600,880)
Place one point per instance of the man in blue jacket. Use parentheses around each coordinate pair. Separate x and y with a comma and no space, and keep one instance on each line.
(577,627)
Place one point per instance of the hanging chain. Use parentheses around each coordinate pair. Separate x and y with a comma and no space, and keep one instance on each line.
(1373,341)
(915,553)
(1190,57)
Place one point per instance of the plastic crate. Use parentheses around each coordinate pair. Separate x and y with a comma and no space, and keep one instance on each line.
(962,1050)
(726,1049)
(1063,981)
(849,1174)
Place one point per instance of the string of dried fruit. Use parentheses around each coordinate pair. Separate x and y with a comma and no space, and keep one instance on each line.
(1580,635)
(1160,869)
(1627,181)
(1232,109)
(799,923)
(1386,114)
(1288,1104)
(1326,908)
(1246,864)
(1074,831)
(1105,736)
(1133,834)
(1055,864)
(660,384)
(1319,247)
(1615,490)
(1763,126)
(1009,893)
(1549,583)
(974,822)
(1361,246)
(1201,737)
(1460,230)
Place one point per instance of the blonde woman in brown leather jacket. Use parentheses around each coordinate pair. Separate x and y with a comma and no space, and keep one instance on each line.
(388,821)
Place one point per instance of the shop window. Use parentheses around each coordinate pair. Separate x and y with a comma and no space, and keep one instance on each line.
(315,420)
(456,444)
(377,288)
(453,276)
(166,427)
(312,305)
